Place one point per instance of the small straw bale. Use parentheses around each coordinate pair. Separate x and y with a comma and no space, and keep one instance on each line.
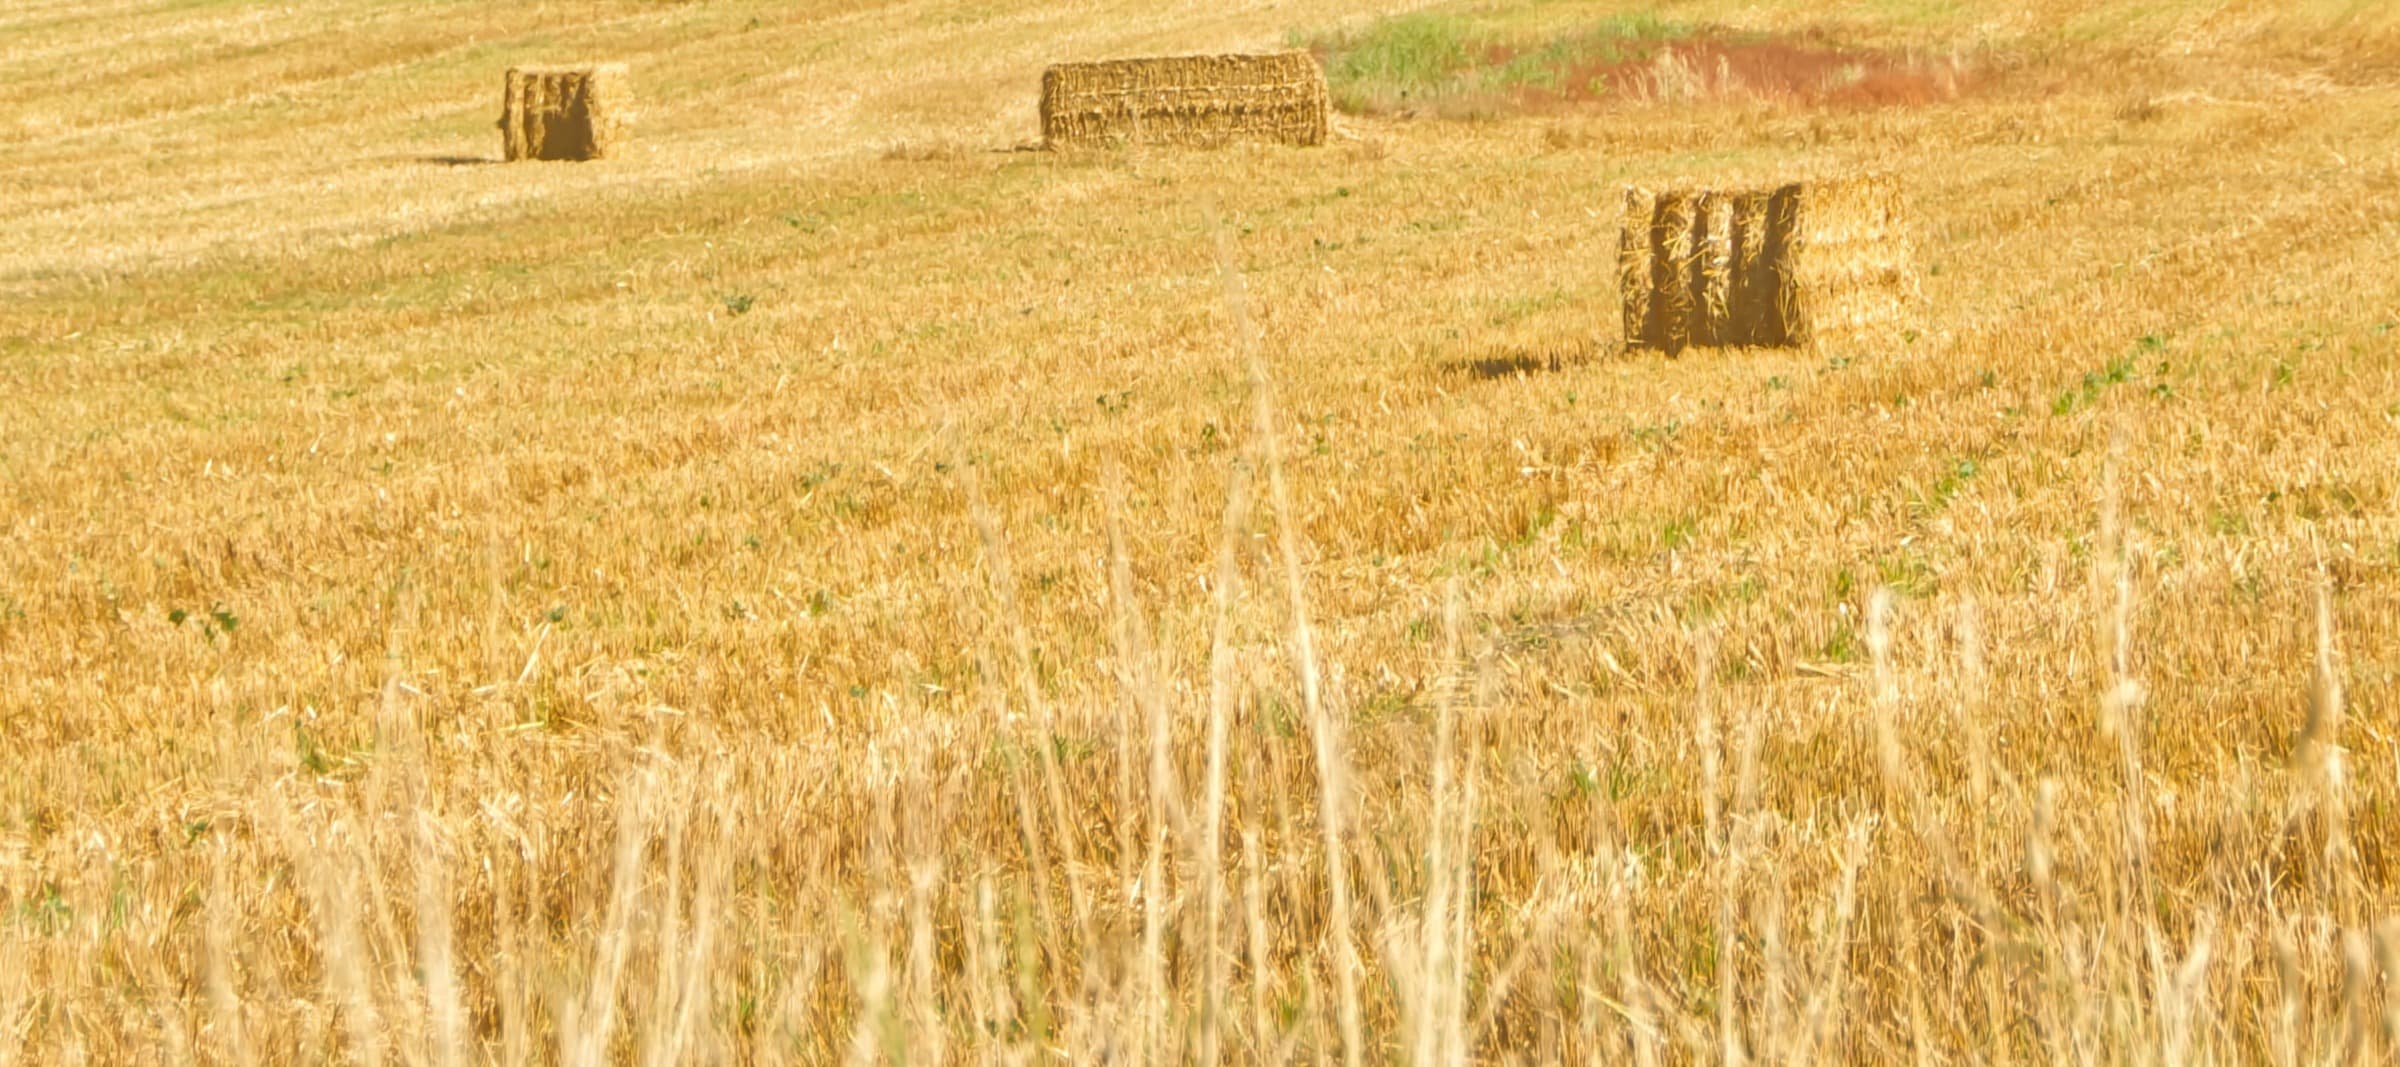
(1799,264)
(1187,100)
(1673,297)
(1633,263)
(570,113)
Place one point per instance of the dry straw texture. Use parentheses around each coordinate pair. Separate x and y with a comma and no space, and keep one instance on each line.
(1186,100)
(435,629)
(1806,262)
(1712,265)
(1634,260)
(1753,288)
(1674,292)
(564,113)
(1843,269)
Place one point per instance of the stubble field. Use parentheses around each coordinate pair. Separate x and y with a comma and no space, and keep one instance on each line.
(828,585)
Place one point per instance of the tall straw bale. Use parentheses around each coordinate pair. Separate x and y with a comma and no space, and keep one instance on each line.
(1633,263)
(1800,264)
(1187,100)
(1673,296)
(564,113)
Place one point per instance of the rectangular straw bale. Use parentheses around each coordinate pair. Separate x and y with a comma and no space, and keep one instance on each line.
(1187,100)
(1633,264)
(564,113)
(1800,264)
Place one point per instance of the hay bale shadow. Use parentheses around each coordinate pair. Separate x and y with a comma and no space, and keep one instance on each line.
(455,161)
(941,150)
(1521,361)
(1505,365)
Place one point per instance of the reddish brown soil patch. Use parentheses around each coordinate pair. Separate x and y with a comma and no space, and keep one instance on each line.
(1798,71)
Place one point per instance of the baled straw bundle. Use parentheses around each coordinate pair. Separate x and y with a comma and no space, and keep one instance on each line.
(570,113)
(1803,263)
(1187,100)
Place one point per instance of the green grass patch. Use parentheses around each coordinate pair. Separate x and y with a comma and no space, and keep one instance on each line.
(1459,66)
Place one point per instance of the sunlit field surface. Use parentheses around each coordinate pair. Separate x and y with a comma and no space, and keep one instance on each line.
(836,584)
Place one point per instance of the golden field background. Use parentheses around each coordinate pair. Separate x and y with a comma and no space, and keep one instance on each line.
(825,587)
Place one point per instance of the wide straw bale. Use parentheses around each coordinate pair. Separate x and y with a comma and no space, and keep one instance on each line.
(1673,298)
(1633,264)
(1712,272)
(564,113)
(1803,263)
(1187,100)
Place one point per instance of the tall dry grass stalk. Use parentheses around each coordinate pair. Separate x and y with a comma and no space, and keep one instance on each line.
(1325,742)
(1211,858)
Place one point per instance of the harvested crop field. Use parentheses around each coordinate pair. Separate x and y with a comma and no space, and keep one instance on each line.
(820,583)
